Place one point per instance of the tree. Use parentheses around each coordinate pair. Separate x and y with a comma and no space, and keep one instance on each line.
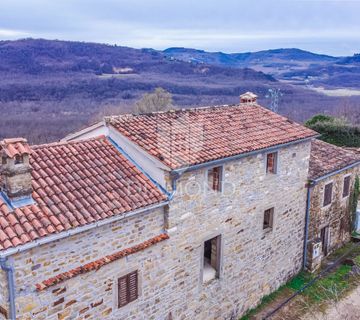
(334,130)
(319,118)
(159,100)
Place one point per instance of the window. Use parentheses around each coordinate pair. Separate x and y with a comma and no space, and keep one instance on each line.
(215,178)
(19,159)
(346,189)
(211,267)
(271,162)
(3,160)
(328,194)
(268,219)
(127,289)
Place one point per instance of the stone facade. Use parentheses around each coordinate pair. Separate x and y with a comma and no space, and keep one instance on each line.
(91,295)
(336,216)
(254,262)
(3,295)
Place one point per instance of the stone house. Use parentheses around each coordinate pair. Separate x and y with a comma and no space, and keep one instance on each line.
(332,174)
(187,214)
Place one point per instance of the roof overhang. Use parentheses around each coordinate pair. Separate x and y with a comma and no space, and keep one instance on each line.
(65,234)
(332,173)
(81,132)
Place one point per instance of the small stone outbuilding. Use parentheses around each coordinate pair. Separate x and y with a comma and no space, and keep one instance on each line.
(332,173)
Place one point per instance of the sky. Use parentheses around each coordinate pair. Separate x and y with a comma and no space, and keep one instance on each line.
(322,26)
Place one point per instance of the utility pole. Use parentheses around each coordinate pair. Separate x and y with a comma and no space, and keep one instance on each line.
(274,95)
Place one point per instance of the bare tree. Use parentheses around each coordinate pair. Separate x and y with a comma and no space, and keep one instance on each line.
(159,100)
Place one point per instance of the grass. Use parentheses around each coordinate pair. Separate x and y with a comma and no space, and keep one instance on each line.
(265,301)
(330,287)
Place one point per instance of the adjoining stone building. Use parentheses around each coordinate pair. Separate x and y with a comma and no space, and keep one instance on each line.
(332,175)
(188,214)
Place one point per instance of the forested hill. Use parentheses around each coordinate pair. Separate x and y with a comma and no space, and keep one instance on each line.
(42,57)
(49,88)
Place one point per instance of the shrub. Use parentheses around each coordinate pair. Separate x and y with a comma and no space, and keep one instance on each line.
(337,131)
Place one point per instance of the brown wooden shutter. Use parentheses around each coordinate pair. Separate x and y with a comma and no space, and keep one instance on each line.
(328,194)
(127,289)
(271,163)
(122,291)
(133,286)
(346,189)
(216,179)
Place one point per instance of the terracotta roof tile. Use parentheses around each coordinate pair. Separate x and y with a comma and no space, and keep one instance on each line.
(15,146)
(326,158)
(191,136)
(68,194)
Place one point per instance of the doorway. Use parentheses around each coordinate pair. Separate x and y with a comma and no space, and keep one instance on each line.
(325,240)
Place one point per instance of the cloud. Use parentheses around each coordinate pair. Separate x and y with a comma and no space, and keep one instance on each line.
(8,33)
(319,25)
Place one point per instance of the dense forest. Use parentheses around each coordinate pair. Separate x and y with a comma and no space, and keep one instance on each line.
(50,88)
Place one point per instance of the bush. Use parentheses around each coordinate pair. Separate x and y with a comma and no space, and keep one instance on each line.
(337,131)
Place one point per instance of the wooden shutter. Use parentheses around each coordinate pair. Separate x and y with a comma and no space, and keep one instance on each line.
(271,163)
(127,289)
(216,178)
(346,189)
(133,286)
(122,292)
(328,194)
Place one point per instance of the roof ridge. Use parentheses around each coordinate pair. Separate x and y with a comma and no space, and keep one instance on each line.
(344,149)
(201,108)
(62,143)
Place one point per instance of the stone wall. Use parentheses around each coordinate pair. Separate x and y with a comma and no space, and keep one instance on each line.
(332,214)
(91,295)
(253,264)
(3,295)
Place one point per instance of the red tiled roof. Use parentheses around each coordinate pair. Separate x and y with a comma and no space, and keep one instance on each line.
(15,146)
(326,158)
(97,264)
(74,184)
(191,136)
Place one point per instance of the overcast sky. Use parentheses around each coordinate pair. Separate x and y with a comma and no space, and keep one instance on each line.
(325,26)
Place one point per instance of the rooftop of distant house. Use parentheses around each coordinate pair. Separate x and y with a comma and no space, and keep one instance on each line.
(326,158)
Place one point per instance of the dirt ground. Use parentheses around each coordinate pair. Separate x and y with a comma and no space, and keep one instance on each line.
(347,308)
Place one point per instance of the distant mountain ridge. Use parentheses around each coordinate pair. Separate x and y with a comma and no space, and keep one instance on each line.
(291,64)
(242,59)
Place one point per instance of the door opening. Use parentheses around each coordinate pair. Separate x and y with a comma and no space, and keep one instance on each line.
(325,240)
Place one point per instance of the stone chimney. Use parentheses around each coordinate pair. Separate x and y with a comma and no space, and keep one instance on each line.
(15,171)
(248,97)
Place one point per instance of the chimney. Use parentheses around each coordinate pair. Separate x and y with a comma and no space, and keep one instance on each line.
(248,97)
(15,171)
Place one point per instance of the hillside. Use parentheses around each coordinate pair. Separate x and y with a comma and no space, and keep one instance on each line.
(50,88)
(293,65)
